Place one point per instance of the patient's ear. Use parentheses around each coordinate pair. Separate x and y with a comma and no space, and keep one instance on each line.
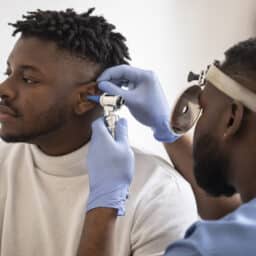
(234,119)
(82,105)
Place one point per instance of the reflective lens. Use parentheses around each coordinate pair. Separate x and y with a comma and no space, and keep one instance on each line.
(186,111)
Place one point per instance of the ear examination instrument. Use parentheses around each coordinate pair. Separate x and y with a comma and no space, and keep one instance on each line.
(187,109)
(110,104)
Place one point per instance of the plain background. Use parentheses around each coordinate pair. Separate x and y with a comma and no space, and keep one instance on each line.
(167,36)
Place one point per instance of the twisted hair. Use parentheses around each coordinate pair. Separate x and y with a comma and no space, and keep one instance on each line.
(241,58)
(83,35)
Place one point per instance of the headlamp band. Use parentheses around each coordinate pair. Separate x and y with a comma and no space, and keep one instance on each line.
(231,88)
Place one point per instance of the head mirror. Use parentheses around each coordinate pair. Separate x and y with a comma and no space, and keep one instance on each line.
(186,110)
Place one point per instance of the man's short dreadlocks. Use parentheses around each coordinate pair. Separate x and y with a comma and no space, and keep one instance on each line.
(83,35)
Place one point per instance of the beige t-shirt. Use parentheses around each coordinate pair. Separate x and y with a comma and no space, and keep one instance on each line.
(43,201)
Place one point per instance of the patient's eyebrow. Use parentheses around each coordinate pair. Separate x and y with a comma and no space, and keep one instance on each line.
(25,67)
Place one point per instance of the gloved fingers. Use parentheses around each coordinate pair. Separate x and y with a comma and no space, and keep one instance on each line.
(99,129)
(111,88)
(121,132)
(121,72)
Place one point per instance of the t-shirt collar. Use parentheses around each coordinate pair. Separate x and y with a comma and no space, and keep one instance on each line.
(72,164)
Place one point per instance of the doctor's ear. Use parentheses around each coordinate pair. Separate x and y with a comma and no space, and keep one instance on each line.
(234,119)
(82,105)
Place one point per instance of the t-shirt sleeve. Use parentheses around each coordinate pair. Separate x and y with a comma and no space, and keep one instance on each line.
(166,210)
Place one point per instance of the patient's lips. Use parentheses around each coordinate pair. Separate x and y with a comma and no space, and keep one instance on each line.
(6,113)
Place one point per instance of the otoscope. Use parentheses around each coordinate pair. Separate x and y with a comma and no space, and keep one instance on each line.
(110,104)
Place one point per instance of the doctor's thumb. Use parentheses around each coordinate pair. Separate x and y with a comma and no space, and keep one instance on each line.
(121,132)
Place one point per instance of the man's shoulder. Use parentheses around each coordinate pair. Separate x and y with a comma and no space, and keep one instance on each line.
(148,159)
(153,173)
(157,190)
(149,164)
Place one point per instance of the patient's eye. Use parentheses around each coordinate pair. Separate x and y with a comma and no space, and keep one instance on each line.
(29,81)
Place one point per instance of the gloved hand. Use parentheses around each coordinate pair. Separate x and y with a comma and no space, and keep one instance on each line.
(145,100)
(110,165)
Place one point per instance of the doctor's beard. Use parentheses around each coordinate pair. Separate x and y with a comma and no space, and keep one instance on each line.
(211,167)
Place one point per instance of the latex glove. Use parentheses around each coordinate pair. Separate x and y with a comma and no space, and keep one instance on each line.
(110,167)
(145,98)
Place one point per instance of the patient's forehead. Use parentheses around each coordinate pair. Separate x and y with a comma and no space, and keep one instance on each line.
(48,57)
(34,50)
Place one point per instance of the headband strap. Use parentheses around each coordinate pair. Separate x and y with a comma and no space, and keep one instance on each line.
(231,88)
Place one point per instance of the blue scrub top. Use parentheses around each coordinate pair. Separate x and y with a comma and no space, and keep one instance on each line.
(235,235)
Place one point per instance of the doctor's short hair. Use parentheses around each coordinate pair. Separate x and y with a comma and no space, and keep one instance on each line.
(241,59)
(83,35)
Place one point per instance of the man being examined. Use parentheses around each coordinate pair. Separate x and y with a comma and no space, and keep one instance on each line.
(46,122)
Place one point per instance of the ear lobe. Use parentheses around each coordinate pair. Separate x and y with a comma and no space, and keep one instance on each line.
(235,119)
(82,105)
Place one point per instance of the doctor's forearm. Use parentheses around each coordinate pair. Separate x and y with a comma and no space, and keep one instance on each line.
(180,152)
(97,234)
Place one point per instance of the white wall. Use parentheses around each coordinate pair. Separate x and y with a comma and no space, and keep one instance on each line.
(170,37)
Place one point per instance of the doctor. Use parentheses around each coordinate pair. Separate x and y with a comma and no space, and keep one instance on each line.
(223,107)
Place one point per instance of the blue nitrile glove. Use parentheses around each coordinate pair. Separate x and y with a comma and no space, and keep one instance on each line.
(145,98)
(110,167)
